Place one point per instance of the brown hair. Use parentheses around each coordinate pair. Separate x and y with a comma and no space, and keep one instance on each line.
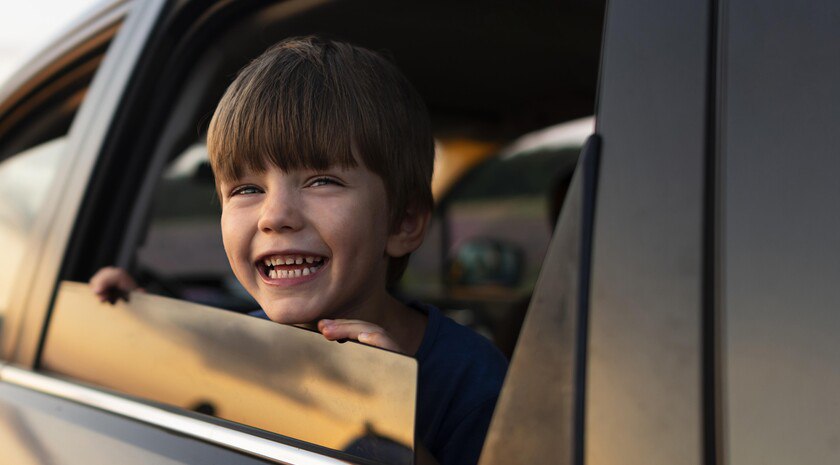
(312,103)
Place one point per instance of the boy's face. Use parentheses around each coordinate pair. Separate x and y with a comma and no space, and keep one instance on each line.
(308,244)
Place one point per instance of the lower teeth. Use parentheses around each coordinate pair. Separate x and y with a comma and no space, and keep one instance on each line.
(284,274)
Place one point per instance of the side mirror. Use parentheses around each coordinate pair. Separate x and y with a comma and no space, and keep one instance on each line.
(486,261)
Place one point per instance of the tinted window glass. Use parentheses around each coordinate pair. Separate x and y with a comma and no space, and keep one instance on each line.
(278,378)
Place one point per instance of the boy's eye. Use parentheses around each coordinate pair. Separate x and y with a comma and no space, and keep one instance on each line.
(323,181)
(245,190)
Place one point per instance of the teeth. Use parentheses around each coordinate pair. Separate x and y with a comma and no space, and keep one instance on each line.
(292,260)
(296,273)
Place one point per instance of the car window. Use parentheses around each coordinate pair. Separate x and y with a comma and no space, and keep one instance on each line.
(24,181)
(181,254)
(490,232)
(34,122)
(163,219)
(277,378)
(541,394)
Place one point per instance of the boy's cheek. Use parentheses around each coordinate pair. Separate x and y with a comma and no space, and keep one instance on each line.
(237,258)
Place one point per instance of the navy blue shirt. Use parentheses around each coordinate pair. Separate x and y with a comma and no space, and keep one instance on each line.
(461,374)
(460,377)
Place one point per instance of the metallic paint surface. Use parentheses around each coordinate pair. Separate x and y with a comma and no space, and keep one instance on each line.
(46,421)
(780,235)
(644,376)
(38,433)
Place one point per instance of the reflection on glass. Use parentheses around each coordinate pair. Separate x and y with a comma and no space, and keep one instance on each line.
(25,179)
(347,397)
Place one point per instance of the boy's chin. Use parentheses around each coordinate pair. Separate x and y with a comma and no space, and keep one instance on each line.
(287,317)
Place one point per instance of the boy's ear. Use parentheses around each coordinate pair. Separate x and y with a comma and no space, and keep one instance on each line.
(408,236)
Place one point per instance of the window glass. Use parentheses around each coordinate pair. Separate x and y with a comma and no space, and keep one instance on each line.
(25,179)
(34,123)
(351,398)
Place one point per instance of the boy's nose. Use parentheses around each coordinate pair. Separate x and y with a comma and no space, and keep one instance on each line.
(280,213)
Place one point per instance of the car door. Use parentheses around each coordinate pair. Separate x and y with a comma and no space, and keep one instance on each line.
(687,312)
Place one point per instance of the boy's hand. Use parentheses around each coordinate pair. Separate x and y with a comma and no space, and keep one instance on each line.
(112,284)
(362,331)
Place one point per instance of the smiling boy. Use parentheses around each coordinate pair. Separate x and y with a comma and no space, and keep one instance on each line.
(323,156)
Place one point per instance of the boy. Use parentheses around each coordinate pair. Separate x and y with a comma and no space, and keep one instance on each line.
(323,153)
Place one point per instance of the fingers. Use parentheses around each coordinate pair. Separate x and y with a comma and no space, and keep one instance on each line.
(362,331)
(111,284)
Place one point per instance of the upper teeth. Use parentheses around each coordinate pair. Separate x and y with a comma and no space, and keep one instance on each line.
(291,260)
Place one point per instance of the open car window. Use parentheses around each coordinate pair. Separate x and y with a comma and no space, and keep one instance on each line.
(151,206)
(181,254)
(490,233)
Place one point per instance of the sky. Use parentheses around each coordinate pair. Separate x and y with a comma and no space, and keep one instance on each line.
(28,25)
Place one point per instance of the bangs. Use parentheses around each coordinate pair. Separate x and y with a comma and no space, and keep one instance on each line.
(289,114)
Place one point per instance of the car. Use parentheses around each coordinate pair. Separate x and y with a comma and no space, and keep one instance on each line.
(680,307)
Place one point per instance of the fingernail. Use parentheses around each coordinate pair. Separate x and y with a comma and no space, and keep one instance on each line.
(327,322)
(364,337)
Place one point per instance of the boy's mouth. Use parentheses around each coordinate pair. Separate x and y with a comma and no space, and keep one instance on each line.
(290,266)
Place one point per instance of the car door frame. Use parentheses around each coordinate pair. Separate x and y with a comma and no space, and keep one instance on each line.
(36,282)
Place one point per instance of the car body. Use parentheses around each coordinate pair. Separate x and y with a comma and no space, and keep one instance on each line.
(685,310)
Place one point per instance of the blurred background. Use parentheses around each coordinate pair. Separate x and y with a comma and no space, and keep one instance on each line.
(26,26)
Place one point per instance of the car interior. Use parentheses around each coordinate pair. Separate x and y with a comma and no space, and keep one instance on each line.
(503,150)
